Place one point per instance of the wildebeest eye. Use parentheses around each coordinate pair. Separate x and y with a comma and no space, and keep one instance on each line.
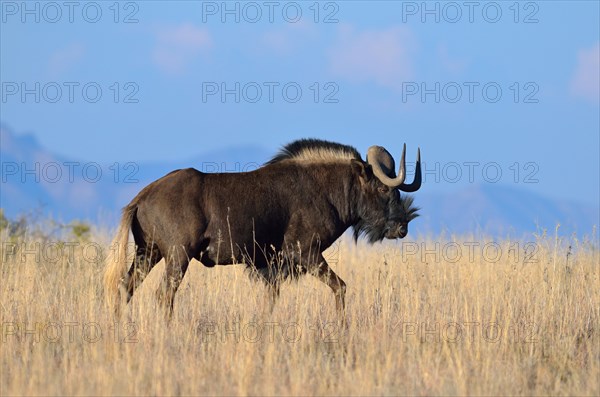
(383,189)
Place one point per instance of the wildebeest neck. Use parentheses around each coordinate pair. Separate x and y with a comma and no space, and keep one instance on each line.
(329,186)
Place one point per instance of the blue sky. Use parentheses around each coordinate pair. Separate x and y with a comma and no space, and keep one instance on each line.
(508,85)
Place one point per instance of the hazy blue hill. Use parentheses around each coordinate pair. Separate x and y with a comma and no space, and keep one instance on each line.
(503,210)
(91,198)
(15,195)
(232,159)
(492,209)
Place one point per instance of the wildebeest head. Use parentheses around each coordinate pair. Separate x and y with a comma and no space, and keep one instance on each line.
(385,213)
(378,209)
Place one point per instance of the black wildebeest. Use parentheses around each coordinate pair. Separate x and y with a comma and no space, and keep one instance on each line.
(277,219)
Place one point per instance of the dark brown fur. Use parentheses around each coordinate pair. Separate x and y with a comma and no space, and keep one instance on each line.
(277,219)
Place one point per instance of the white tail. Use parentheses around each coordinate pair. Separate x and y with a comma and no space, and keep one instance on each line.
(116,261)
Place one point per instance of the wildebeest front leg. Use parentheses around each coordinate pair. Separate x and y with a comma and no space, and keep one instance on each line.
(337,285)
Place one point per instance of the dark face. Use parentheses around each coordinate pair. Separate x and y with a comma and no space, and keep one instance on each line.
(401,213)
(383,212)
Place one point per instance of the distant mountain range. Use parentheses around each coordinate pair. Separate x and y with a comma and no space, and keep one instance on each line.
(501,210)
(66,189)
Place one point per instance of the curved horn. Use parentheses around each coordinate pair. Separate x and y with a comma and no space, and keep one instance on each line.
(416,184)
(378,156)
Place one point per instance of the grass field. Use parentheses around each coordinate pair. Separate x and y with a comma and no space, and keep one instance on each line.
(455,316)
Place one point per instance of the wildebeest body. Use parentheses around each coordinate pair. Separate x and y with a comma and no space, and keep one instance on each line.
(277,219)
(207,213)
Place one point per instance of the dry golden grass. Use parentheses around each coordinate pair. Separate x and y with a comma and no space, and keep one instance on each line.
(500,318)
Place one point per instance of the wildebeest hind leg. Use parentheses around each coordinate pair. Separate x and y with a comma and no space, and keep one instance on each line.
(176,266)
(145,259)
(272,295)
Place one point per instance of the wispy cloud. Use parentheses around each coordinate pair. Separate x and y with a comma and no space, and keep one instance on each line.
(287,39)
(586,79)
(63,59)
(381,56)
(450,62)
(177,46)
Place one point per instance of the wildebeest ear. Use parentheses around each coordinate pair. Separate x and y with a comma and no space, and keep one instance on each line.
(364,171)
